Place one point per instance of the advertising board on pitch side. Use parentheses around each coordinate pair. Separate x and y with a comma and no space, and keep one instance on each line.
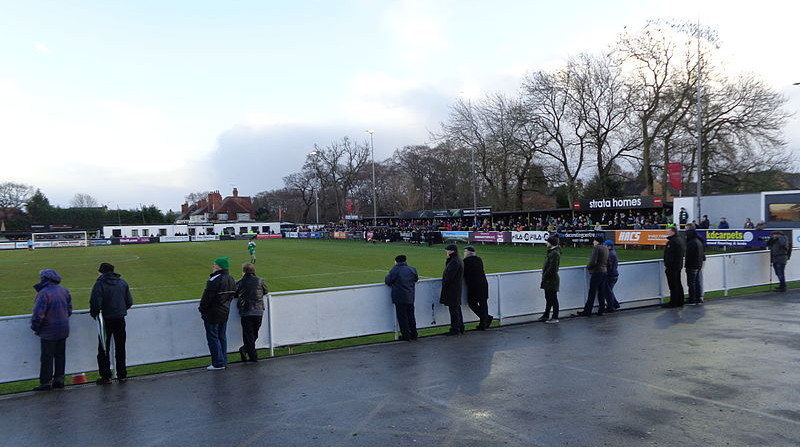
(641,237)
(529,237)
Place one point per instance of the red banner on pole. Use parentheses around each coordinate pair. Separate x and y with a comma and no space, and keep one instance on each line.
(675,170)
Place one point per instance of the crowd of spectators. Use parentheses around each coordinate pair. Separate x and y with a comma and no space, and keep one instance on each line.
(553,222)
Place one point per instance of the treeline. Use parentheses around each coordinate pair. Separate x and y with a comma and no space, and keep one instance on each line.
(600,125)
(22,208)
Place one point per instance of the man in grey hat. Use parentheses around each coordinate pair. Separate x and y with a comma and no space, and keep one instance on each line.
(451,289)
(477,287)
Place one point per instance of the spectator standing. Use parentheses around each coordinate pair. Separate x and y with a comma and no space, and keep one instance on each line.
(452,277)
(52,308)
(779,253)
(597,268)
(674,252)
(723,224)
(748,224)
(111,298)
(550,280)
(695,257)
(402,278)
(612,275)
(214,308)
(704,224)
(683,217)
(477,288)
(250,291)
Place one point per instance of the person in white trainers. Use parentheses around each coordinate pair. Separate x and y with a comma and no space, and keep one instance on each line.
(550,280)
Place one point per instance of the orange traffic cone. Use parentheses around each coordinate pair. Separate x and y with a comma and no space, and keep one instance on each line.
(79,378)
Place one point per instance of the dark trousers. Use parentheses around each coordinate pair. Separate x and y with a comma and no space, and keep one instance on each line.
(694,284)
(675,287)
(481,308)
(551,298)
(597,288)
(250,326)
(456,319)
(52,353)
(779,272)
(611,298)
(406,320)
(115,329)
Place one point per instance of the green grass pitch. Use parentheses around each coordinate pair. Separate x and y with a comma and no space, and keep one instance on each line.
(178,271)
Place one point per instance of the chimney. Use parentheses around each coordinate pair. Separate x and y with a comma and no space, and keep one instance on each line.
(185,208)
(214,201)
(235,192)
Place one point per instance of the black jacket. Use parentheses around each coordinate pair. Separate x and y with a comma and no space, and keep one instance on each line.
(695,253)
(452,277)
(111,296)
(550,279)
(779,249)
(475,278)
(250,291)
(216,301)
(674,252)
(402,278)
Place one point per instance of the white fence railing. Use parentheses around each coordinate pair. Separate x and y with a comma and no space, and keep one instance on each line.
(171,331)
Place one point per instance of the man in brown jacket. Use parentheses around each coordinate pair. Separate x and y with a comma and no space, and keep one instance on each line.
(597,270)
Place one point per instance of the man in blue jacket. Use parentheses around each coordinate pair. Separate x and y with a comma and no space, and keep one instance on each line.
(50,321)
(112,298)
(402,278)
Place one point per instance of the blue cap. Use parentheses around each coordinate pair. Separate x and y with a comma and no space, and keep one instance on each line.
(609,243)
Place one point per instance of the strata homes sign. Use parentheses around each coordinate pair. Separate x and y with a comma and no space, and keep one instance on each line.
(617,203)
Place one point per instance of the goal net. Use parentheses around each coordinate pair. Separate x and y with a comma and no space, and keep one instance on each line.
(60,239)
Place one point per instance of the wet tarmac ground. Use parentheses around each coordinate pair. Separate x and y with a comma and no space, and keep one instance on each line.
(726,373)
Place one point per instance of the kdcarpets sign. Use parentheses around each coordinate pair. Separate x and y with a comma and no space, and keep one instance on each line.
(641,237)
(735,238)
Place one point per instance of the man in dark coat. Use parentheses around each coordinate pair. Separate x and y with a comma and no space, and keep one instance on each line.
(597,267)
(695,257)
(402,278)
(673,264)
(550,280)
(612,276)
(704,224)
(214,308)
(477,288)
(779,253)
(50,321)
(250,291)
(452,277)
(112,298)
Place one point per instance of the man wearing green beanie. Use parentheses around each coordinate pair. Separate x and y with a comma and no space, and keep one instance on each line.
(214,308)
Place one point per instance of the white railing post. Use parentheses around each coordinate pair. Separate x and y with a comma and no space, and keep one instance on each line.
(725,274)
(271,332)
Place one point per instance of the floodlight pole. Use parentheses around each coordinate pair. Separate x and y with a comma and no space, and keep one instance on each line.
(699,130)
(316,190)
(374,185)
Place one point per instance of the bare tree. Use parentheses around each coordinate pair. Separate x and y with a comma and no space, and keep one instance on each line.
(82,200)
(14,195)
(547,100)
(194,197)
(601,103)
(339,167)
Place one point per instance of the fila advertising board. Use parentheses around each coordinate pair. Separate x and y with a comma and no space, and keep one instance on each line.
(529,237)
(641,237)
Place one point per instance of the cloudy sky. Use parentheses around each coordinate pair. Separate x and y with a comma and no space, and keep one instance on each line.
(146,101)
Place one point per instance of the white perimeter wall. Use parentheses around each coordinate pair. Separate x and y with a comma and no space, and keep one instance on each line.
(170,331)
